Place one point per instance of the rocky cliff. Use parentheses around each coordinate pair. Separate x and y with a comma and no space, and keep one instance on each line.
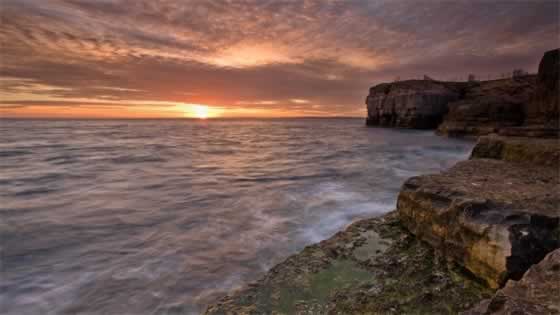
(488,106)
(543,110)
(523,106)
(417,104)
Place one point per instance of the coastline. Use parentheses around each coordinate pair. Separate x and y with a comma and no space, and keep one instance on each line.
(377,266)
(482,237)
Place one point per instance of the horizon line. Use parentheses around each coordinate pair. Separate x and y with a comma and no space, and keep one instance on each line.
(179,118)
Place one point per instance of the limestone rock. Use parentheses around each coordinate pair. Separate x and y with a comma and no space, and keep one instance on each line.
(417,104)
(495,218)
(525,105)
(522,106)
(538,292)
(519,149)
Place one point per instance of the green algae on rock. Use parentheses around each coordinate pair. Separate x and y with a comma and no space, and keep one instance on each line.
(373,267)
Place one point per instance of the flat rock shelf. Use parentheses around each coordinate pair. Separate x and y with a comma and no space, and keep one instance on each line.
(495,218)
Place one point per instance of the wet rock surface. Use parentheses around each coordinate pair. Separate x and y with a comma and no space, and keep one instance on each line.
(493,217)
(537,292)
(373,267)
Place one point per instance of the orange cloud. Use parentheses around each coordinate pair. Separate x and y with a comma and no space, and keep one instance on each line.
(253,57)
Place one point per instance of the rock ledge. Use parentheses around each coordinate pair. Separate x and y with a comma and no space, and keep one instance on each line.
(493,217)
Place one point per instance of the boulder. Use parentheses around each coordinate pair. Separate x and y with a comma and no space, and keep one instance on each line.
(493,217)
(538,292)
(417,104)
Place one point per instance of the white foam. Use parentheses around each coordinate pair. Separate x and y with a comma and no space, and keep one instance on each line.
(332,206)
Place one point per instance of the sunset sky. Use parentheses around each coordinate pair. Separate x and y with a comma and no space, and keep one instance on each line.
(253,58)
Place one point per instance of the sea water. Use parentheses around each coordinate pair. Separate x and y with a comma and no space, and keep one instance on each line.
(164,216)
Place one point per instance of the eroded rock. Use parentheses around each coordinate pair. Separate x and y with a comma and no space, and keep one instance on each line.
(417,104)
(538,292)
(488,106)
(493,217)
(543,110)
(525,106)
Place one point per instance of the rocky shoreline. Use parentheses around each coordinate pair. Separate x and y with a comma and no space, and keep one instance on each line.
(480,238)
(374,266)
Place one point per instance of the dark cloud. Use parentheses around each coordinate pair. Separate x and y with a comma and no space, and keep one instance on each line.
(258,54)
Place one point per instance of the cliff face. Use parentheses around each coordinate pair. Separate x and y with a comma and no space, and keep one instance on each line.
(544,106)
(521,106)
(409,104)
(541,112)
(488,106)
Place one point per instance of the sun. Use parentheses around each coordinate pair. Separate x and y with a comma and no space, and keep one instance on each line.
(200,111)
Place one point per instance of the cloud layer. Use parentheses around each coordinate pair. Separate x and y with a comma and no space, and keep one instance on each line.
(262,57)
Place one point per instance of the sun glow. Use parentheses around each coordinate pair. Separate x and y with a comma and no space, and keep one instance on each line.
(200,111)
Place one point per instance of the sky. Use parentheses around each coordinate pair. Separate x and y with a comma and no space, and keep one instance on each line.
(252,58)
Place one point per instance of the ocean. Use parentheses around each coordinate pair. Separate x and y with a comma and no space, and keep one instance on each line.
(165,216)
